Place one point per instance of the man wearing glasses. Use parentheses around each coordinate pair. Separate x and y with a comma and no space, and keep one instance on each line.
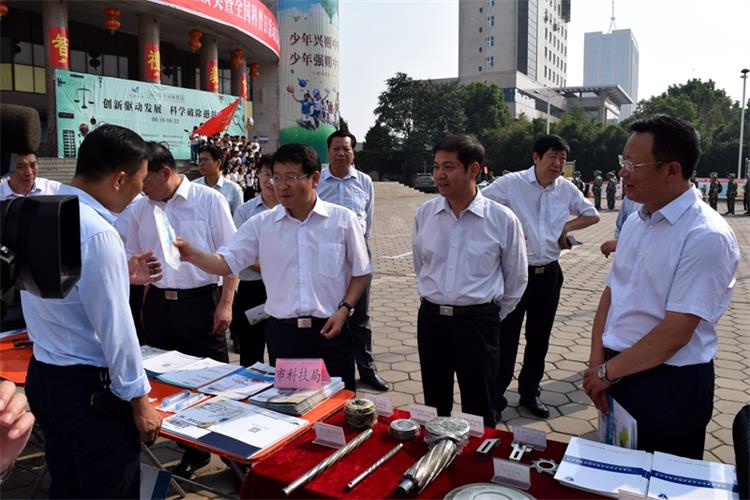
(210,159)
(23,180)
(543,200)
(654,333)
(314,262)
(341,183)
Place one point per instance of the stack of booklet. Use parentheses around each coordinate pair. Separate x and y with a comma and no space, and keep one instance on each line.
(606,470)
(186,371)
(242,383)
(238,428)
(296,401)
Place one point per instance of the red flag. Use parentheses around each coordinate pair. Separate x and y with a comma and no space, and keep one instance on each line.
(218,123)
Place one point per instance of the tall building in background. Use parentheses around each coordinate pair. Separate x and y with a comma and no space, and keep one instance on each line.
(519,45)
(612,58)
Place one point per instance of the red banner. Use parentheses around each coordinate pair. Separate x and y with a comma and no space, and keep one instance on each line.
(248,16)
(59,47)
(244,84)
(218,123)
(213,75)
(152,62)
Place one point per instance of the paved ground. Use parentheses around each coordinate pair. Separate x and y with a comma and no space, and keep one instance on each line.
(394,304)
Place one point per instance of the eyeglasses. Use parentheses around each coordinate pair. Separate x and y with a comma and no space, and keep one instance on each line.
(205,160)
(290,180)
(265,175)
(630,166)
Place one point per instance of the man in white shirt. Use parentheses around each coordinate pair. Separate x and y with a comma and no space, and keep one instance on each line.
(543,200)
(86,384)
(185,310)
(314,262)
(210,159)
(654,334)
(341,183)
(23,181)
(470,261)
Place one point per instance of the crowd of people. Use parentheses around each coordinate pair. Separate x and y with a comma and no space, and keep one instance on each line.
(486,263)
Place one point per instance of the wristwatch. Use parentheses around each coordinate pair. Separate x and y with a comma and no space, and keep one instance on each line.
(602,374)
(349,307)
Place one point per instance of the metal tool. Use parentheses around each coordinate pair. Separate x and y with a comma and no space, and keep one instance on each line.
(486,447)
(545,465)
(327,462)
(354,482)
(519,450)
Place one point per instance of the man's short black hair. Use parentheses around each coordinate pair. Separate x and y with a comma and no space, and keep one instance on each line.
(342,133)
(213,150)
(301,154)
(108,149)
(550,141)
(467,149)
(159,156)
(674,140)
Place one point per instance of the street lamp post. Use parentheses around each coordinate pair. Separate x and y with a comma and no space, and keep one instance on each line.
(743,105)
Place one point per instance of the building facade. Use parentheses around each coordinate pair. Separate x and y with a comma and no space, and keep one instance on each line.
(612,59)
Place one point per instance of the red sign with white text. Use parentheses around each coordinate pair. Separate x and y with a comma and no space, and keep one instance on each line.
(59,47)
(249,16)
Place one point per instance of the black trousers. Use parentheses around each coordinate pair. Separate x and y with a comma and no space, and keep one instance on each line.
(746,199)
(136,301)
(286,340)
(730,204)
(252,337)
(610,202)
(359,322)
(89,455)
(714,202)
(185,324)
(539,305)
(597,198)
(466,346)
(672,405)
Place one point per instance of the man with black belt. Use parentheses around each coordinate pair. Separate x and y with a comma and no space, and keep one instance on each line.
(470,261)
(654,333)
(251,291)
(314,262)
(86,384)
(543,200)
(185,310)
(342,184)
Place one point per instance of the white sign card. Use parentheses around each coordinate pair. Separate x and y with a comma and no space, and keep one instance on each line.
(532,437)
(476,423)
(511,473)
(422,413)
(383,404)
(329,435)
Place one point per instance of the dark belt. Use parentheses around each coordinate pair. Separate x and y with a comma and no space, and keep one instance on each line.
(609,353)
(187,293)
(301,322)
(476,310)
(542,269)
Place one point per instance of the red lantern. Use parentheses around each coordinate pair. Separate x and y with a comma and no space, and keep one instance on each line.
(195,40)
(254,71)
(238,58)
(112,23)
(3,10)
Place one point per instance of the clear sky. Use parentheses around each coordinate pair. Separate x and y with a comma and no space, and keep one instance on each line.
(678,40)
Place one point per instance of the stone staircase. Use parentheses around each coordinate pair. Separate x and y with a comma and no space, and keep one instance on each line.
(389,189)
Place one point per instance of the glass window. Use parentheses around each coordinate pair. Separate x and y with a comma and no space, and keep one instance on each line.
(122,70)
(40,80)
(39,55)
(22,53)
(6,76)
(109,65)
(24,77)
(480,69)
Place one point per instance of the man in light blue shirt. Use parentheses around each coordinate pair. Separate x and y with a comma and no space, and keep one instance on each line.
(86,384)
(209,163)
(344,185)
(627,207)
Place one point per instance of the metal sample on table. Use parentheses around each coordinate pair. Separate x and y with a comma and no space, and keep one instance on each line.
(519,450)
(327,462)
(360,413)
(446,436)
(486,447)
(545,465)
(354,482)
(403,429)
(476,491)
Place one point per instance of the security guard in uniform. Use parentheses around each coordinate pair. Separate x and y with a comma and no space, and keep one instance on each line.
(596,189)
(731,194)
(611,190)
(713,190)
(746,195)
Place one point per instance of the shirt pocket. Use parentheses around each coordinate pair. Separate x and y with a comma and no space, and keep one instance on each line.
(331,259)
(481,258)
(557,216)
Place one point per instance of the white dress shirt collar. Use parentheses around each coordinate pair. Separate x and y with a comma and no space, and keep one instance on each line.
(327,174)
(478,206)
(183,190)
(90,201)
(531,176)
(672,211)
(319,208)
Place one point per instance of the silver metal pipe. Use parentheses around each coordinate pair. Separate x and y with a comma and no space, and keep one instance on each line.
(327,462)
(354,482)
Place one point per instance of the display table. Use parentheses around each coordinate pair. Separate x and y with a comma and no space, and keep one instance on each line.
(15,354)
(268,477)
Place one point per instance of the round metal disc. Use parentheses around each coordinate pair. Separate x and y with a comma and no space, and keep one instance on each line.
(486,491)
(448,426)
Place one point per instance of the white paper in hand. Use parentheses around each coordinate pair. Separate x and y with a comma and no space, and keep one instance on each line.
(167,237)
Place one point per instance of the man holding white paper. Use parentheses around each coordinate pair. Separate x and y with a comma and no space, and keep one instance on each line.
(654,333)
(314,261)
(185,310)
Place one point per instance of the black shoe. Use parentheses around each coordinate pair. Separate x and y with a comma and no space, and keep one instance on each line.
(498,405)
(535,406)
(189,464)
(375,381)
